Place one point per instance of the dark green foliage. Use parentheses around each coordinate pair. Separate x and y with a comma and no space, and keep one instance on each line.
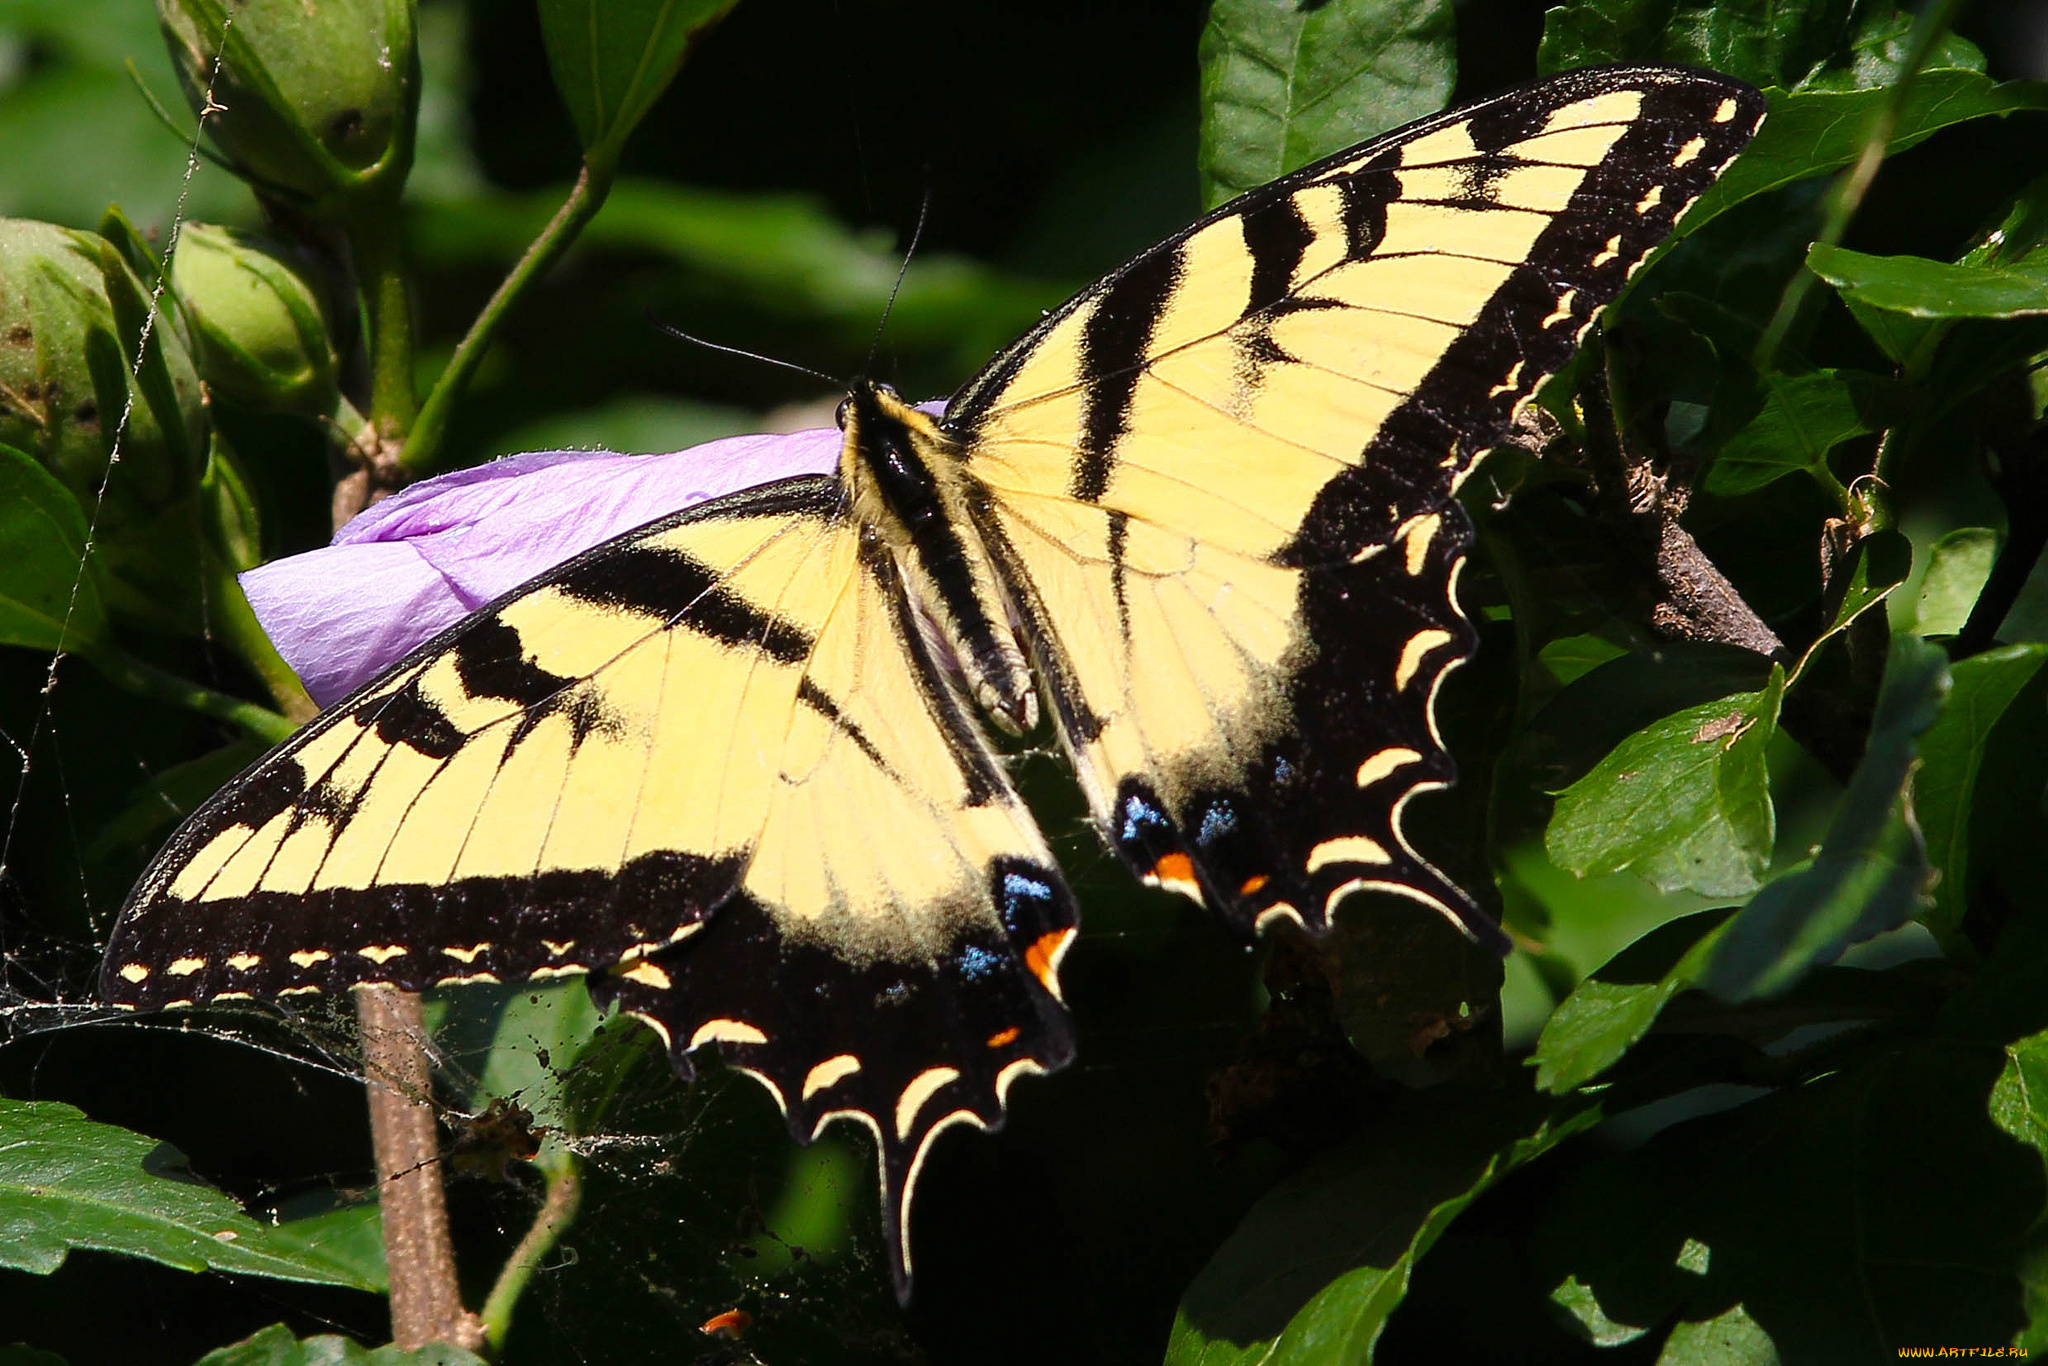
(1769,1078)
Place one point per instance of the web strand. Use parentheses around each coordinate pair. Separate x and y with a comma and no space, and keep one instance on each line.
(45,706)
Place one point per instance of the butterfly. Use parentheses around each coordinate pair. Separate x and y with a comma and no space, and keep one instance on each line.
(731,765)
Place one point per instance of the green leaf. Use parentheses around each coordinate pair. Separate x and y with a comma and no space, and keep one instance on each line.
(1953,754)
(1882,561)
(1957,566)
(2019,1105)
(1871,871)
(49,590)
(521,1044)
(1803,419)
(1814,132)
(1684,802)
(1610,1010)
(1921,288)
(21,1354)
(1764,44)
(275,1346)
(1913,340)
(611,59)
(1313,1271)
(1730,1339)
(1868,1209)
(1285,84)
(67,1182)
(341,1230)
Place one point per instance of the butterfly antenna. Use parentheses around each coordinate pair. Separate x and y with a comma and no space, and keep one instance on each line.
(924,211)
(681,335)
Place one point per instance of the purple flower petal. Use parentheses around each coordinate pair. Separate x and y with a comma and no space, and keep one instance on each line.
(430,554)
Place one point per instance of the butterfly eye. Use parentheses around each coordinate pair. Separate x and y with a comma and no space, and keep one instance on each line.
(888,390)
(839,413)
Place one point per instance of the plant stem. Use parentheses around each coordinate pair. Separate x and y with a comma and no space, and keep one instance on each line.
(557,1212)
(426,1302)
(147,680)
(422,448)
(1854,183)
(386,286)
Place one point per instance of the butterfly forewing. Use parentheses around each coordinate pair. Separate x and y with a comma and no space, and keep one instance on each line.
(1223,477)
(647,766)
(725,764)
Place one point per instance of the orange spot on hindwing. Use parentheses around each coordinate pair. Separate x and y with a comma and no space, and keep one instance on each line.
(1003,1038)
(1044,954)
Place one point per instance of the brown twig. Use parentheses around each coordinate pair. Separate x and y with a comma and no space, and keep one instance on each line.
(426,1301)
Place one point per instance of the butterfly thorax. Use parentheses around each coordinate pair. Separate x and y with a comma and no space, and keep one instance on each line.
(911,498)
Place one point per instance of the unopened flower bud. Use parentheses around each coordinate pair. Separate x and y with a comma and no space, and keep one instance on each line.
(258,326)
(312,102)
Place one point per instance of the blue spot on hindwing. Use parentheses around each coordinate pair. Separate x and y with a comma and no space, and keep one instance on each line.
(976,962)
(1219,820)
(1141,817)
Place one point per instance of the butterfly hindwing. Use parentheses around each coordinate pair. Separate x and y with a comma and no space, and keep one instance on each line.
(728,764)
(641,766)
(1222,478)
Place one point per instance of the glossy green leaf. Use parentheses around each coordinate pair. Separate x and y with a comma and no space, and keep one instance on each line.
(68,1183)
(1814,132)
(611,59)
(1922,288)
(1803,418)
(49,591)
(1913,340)
(1684,802)
(344,1229)
(1760,43)
(1871,872)
(276,1346)
(1953,756)
(1901,337)
(1314,1270)
(1285,84)
(1610,1010)
(1957,566)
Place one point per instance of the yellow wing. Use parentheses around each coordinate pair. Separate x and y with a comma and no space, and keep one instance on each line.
(712,762)
(1220,481)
